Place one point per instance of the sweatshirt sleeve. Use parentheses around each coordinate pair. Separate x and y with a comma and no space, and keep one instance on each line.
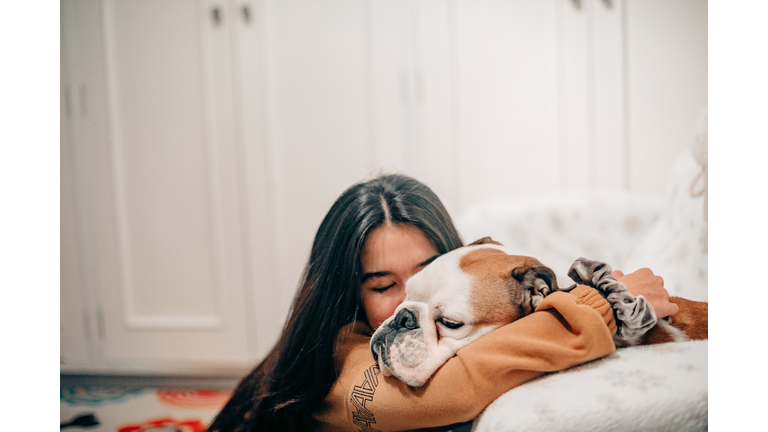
(567,329)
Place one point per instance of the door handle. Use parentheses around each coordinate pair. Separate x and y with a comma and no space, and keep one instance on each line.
(245,11)
(216,16)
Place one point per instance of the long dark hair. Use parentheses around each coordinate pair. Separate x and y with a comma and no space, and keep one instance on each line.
(283,391)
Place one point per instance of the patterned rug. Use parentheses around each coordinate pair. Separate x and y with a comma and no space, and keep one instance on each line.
(124,409)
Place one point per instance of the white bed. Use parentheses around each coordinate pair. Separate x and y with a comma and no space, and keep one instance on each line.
(647,388)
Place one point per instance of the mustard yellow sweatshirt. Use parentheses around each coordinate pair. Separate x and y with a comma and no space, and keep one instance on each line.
(567,329)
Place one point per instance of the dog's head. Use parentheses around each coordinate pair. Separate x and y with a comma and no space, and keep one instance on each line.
(454,301)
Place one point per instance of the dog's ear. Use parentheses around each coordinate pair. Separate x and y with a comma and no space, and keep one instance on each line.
(536,281)
(485,240)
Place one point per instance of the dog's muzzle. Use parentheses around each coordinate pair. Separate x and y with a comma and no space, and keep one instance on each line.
(394,332)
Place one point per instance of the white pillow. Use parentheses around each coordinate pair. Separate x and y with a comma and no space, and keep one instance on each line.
(558,228)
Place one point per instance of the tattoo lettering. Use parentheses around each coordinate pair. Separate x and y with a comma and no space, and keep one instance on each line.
(361,394)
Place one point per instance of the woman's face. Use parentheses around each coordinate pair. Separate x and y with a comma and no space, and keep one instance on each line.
(391,255)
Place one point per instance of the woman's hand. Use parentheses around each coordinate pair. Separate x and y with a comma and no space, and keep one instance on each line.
(644,282)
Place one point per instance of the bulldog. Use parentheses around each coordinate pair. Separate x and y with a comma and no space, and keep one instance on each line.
(465,294)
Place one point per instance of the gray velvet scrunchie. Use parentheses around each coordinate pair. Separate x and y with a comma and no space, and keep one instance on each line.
(634,315)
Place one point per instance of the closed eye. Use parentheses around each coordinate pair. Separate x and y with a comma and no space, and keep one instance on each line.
(453,325)
(381,290)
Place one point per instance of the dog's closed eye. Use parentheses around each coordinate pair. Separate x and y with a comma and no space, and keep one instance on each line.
(453,325)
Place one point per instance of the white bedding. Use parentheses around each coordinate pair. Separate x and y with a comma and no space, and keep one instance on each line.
(648,388)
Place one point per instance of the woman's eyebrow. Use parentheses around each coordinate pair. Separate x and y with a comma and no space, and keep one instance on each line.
(370,275)
(375,275)
(425,263)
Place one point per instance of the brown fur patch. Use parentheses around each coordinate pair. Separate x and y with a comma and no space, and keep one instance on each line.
(491,271)
(692,318)
(657,335)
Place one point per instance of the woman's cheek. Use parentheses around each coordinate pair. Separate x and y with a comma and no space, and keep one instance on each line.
(379,307)
(400,296)
(393,300)
(375,305)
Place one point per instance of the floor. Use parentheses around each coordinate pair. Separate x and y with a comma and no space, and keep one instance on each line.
(141,404)
(145,404)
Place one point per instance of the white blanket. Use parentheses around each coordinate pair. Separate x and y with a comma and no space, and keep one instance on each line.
(647,388)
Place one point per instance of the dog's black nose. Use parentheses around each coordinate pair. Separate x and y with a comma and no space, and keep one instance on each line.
(405,319)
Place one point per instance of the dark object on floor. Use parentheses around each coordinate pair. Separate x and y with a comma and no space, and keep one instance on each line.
(85,420)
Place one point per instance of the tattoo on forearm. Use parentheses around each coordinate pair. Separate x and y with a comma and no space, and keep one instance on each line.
(362,394)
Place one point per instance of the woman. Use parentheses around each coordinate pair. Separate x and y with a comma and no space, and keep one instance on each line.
(376,235)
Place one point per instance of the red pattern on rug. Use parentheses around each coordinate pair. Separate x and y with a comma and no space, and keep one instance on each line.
(193,399)
(190,425)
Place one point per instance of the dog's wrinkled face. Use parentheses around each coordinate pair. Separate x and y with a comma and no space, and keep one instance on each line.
(454,301)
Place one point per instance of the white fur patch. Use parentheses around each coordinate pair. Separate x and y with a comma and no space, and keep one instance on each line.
(676,333)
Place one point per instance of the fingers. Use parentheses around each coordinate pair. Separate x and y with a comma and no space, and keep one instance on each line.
(670,309)
(651,286)
(675,308)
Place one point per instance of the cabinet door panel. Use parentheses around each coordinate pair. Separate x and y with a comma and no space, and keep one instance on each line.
(247,19)
(575,99)
(608,151)
(74,319)
(175,190)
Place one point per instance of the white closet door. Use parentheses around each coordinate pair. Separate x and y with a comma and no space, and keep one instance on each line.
(178,292)
(608,151)
(263,298)
(75,336)
(592,151)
